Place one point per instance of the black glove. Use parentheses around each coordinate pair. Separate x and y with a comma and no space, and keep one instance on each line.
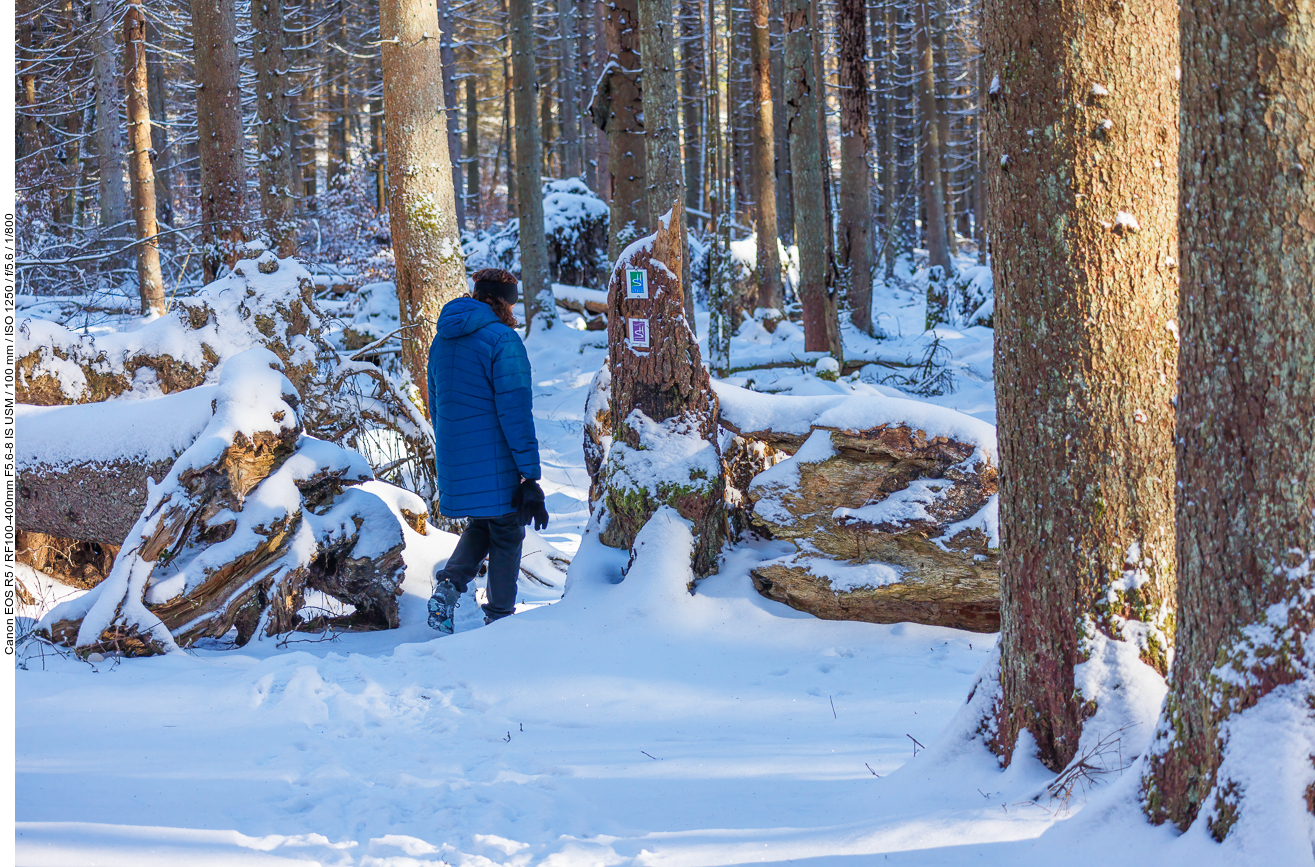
(528,503)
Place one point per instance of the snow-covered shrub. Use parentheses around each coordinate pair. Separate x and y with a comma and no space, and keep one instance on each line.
(575,224)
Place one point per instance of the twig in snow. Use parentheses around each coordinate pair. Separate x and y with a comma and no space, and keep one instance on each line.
(869,767)
(833,707)
(365,350)
(654,758)
(507,739)
(1085,770)
(916,743)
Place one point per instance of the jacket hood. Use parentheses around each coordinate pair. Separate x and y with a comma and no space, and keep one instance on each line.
(461,316)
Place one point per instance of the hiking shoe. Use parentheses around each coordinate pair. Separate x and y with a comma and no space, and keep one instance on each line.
(442,605)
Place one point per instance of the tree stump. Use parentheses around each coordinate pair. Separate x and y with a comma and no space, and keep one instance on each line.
(664,412)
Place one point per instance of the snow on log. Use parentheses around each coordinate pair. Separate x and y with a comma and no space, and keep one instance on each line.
(890,503)
(83,470)
(663,411)
(250,516)
(264,301)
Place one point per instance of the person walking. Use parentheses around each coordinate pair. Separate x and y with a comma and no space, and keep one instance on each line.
(488,456)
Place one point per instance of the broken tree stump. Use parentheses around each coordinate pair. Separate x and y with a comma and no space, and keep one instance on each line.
(664,412)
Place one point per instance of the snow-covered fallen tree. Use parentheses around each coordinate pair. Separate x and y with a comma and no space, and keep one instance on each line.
(266,302)
(890,503)
(252,515)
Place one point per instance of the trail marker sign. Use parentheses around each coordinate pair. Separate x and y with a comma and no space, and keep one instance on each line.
(636,283)
(639,333)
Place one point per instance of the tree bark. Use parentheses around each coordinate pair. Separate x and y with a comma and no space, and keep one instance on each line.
(770,290)
(1086,296)
(163,157)
(338,88)
(572,154)
(535,284)
(278,204)
(448,55)
(803,116)
(891,195)
(940,25)
(784,185)
(855,250)
(660,96)
(421,212)
(719,314)
(473,209)
(109,146)
(938,246)
(150,283)
(1246,400)
(219,134)
(692,101)
(625,130)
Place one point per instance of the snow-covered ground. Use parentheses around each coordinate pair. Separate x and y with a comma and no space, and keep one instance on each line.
(628,723)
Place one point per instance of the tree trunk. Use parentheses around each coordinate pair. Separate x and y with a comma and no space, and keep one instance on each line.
(572,154)
(979,165)
(545,126)
(1086,296)
(513,200)
(770,291)
(109,147)
(784,186)
(802,118)
(625,129)
(163,158)
(421,213)
(940,26)
(278,204)
(891,194)
(150,283)
(602,171)
(378,156)
(1246,400)
(29,124)
(719,314)
(855,249)
(448,72)
(219,134)
(739,111)
(472,153)
(536,287)
(938,247)
(660,96)
(338,86)
(692,101)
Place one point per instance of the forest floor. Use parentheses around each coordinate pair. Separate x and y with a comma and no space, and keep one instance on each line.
(628,723)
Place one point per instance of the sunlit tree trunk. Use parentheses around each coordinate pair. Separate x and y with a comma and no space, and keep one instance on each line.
(150,283)
(164,158)
(1246,424)
(1085,353)
(770,291)
(625,128)
(535,286)
(421,209)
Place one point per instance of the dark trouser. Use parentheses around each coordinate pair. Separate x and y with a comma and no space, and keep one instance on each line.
(500,540)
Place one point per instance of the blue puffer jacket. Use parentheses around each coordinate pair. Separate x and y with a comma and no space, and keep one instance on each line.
(480,402)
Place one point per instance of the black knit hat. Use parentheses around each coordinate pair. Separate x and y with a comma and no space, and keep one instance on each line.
(496,285)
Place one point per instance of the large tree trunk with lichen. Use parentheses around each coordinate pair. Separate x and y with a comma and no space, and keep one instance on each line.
(219,133)
(535,285)
(622,120)
(150,281)
(803,96)
(854,246)
(1086,299)
(770,290)
(431,269)
(278,203)
(1246,401)
(663,410)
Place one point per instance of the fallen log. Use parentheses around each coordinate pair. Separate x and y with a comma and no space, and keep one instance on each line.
(890,503)
(249,517)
